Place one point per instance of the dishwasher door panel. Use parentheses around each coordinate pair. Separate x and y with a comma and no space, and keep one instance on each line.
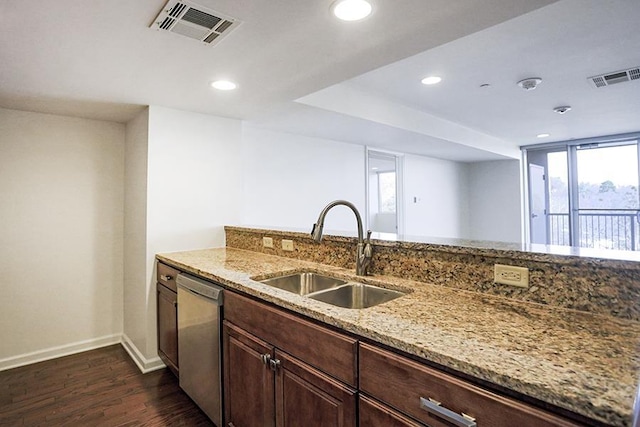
(199,351)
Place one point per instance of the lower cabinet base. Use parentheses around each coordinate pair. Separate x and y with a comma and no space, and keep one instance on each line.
(172,367)
(265,386)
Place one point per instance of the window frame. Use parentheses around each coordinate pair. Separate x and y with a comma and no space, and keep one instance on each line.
(571,147)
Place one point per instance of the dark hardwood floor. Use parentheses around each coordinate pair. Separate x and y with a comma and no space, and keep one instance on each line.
(97,388)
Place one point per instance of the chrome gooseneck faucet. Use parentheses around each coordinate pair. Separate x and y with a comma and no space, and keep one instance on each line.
(364,248)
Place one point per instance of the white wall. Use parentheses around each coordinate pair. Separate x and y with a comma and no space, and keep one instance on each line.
(439,188)
(61,257)
(495,201)
(288,179)
(135,231)
(194,189)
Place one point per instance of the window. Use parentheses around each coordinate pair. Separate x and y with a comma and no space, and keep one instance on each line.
(585,193)
(387,192)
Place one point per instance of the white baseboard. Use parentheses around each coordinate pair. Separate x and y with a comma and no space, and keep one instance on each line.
(145,365)
(59,351)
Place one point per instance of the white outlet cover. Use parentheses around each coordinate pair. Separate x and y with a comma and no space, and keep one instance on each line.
(511,275)
(287,245)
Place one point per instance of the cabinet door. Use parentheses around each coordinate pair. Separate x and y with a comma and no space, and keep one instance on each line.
(248,382)
(167,327)
(376,414)
(310,398)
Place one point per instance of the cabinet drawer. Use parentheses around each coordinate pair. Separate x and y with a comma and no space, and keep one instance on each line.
(375,414)
(167,276)
(401,383)
(328,351)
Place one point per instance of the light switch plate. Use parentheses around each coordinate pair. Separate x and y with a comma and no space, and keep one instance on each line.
(267,242)
(511,275)
(287,245)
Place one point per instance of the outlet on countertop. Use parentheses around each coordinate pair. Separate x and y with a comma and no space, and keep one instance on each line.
(287,245)
(511,275)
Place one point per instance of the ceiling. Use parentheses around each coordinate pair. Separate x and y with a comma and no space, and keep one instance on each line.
(300,70)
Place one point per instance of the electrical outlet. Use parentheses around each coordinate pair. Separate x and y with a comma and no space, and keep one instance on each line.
(267,242)
(510,275)
(287,245)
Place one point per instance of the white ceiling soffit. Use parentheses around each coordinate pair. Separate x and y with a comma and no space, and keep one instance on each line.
(344,99)
(301,119)
(194,21)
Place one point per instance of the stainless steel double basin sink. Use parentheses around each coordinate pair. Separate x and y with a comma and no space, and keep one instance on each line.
(332,290)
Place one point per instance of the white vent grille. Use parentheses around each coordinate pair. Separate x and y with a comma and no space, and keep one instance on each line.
(196,22)
(616,77)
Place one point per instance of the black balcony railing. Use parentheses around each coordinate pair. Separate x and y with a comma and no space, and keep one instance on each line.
(603,230)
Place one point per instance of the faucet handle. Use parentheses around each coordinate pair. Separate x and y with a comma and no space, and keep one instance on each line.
(368,249)
(316,231)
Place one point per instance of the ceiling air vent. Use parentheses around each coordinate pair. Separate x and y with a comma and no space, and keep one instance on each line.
(194,21)
(617,77)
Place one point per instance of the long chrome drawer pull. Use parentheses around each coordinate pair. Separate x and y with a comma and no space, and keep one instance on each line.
(433,407)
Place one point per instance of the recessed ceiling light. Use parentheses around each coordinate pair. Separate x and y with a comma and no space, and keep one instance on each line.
(223,85)
(351,10)
(543,135)
(431,80)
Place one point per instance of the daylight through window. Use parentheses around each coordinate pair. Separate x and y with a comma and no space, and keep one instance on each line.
(585,194)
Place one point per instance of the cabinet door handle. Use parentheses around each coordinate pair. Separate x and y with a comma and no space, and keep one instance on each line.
(266,358)
(274,363)
(433,407)
(165,277)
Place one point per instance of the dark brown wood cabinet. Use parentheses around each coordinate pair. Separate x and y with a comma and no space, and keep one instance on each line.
(306,396)
(404,384)
(249,397)
(376,414)
(167,316)
(268,383)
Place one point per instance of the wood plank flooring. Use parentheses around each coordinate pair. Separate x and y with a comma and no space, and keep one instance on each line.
(101,387)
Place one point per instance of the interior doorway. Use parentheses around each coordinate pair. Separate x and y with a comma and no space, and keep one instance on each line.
(384,192)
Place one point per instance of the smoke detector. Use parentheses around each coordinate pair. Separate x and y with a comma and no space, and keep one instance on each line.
(530,83)
(615,77)
(563,109)
(194,21)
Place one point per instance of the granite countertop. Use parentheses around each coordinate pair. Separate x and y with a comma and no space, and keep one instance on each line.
(583,362)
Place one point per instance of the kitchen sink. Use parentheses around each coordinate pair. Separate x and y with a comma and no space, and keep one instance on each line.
(304,283)
(356,295)
(331,290)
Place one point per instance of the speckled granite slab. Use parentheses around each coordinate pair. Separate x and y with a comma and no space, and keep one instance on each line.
(584,362)
(593,283)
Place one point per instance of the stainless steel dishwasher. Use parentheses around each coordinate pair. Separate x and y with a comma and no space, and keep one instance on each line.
(199,352)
